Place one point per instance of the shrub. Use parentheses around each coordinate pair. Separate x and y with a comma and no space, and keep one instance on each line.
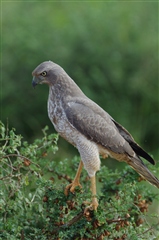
(33,204)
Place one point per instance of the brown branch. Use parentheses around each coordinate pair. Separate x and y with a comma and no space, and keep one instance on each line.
(149,229)
(115,220)
(20,156)
(74,219)
(71,222)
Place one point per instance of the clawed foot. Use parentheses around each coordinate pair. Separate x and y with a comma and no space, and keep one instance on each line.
(71,187)
(92,207)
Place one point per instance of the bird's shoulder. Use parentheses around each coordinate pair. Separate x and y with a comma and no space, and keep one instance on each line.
(95,124)
(85,107)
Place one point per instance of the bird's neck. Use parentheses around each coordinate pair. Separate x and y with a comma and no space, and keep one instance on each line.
(64,90)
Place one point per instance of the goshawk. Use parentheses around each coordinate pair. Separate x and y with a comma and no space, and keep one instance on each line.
(88,127)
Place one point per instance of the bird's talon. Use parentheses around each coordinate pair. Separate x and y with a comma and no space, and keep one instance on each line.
(88,209)
(92,207)
(71,187)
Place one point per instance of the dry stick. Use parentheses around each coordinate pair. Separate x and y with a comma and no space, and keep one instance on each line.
(74,219)
(71,222)
(115,220)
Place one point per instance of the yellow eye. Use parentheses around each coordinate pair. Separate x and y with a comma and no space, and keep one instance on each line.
(43,74)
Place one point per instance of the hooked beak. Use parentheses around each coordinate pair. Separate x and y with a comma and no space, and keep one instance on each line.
(35,81)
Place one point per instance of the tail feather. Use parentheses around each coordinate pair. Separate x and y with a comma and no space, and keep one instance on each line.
(141,168)
(139,151)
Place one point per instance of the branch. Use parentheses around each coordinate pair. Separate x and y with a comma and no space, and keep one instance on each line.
(20,156)
(74,219)
(149,229)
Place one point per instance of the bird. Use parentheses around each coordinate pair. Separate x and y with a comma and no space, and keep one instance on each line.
(89,128)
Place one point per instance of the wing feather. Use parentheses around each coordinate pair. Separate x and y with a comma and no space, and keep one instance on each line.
(95,127)
(137,149)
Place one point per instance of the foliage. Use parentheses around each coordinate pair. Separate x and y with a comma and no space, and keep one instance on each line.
(33,204)
(109,49)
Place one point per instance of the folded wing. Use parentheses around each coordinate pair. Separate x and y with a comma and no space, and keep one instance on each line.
(96,128)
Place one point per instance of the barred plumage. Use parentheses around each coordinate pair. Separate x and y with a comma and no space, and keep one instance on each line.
(88,127)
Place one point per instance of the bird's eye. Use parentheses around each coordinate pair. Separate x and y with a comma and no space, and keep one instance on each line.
(43,74)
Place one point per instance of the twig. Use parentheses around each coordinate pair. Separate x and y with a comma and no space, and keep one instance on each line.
(71,222)
(20,156)
(6,140)
(115,220)
(149,229)
(75,219)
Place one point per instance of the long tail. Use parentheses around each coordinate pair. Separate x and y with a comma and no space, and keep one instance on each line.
(140,167)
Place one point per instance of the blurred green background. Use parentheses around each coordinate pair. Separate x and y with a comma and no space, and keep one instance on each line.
(110,49)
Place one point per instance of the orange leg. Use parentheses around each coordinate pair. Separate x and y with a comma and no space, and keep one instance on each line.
(94,204)
(75,183)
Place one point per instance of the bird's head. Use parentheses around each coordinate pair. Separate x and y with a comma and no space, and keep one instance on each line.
(47,72)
